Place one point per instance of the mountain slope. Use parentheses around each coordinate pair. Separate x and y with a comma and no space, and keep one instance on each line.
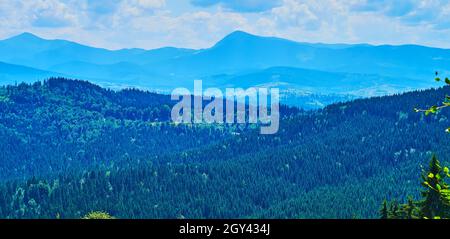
(242,51)
(28,49)
(69,143)
(237,52)
(241,60)
(289,78)
(10,74)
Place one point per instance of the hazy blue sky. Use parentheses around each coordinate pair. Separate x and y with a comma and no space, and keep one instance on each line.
(200,23)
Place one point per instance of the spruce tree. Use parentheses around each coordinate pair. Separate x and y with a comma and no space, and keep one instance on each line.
(384,212)
(394,210)
(409,210)
(435,203)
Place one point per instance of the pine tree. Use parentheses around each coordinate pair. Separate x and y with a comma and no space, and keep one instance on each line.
(436,203)
(409,210)
(384,212)
(436,197)
(394,210)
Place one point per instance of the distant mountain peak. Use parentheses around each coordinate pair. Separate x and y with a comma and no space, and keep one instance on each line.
(26,36)
(235,37)
(238,35)
(245,38)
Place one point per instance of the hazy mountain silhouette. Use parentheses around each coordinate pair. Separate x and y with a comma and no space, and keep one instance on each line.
(238,59)
(11,74)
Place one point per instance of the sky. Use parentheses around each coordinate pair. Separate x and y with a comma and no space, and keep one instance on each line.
(150,24)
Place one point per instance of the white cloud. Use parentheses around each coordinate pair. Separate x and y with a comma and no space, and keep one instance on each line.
(153,23)
(240,5)
(50,13)
(433,13)
(40,13)
(150,3)
(139,7)
(198,29)
(297,14)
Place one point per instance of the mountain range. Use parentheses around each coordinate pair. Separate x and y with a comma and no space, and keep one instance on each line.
(301,70)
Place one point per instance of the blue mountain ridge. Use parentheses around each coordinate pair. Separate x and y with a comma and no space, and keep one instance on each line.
(239,60)
(11,74)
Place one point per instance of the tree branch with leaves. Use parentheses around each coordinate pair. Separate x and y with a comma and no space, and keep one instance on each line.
(436,108)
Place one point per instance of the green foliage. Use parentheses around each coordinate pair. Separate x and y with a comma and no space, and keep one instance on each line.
(436,109)
(435,202)
(394,210)
(98,216)
(384,211)
(410,210)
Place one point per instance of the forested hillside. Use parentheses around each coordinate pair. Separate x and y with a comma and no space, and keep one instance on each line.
(70,147)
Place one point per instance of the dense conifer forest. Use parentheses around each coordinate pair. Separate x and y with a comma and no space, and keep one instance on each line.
(69,147)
